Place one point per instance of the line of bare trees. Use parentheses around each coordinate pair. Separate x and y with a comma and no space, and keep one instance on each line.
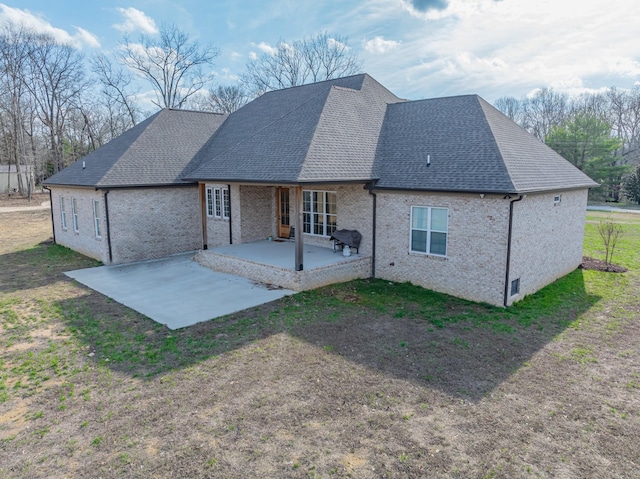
(597,132)
(50,111)
(56,105)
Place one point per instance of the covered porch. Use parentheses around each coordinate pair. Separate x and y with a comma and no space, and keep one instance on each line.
(275,263)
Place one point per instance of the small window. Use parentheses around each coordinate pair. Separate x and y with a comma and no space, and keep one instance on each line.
(429,230)
(218,202)
(209,201)
(226,205)
(74,214)
(96,218)
(515,287)
(557,199)
(63,213)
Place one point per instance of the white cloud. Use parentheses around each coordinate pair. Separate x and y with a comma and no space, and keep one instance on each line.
(41,25)
(498,48)
(135,20)
(253,56)
(265,48)
(87,38)
(625,66)
(380,45)
(335,43)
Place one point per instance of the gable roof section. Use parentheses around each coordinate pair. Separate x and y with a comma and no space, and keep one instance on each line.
(321,131)
(463,144)
(155,152)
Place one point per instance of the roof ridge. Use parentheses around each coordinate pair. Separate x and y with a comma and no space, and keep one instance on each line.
(481,103)
(317,83)
(187,110)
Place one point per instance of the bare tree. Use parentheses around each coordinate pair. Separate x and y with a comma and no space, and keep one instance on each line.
(312,59)
(624,115)
(610,232)
(15,42)
(115,87)
(544,110)
(228,98)
(511,107)
(56,80)
(171,63)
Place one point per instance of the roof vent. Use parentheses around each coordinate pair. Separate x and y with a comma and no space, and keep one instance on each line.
(428,160)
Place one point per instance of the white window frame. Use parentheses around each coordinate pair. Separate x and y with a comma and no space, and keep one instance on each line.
(209,194)
(63,213)
(96,218)
(557,199)
(226,203)
(429,231)
(308,213)
(74,213)
(218,202)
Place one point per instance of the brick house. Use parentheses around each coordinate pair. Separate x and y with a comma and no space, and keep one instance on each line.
(447,193)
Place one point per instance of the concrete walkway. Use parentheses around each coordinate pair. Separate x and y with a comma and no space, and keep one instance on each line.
(612,209)
(11,209)
(176,291)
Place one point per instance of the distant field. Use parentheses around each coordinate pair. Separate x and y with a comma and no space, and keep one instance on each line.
(367,379)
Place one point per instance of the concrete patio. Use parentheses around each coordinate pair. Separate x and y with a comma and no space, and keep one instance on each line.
(273,262)
(176,291)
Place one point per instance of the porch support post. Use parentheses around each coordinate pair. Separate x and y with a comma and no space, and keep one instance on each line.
(298,226)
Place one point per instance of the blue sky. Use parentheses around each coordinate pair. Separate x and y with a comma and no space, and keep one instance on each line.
(416,48)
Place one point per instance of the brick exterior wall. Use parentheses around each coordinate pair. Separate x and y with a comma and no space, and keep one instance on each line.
(148,223)
(257,212)
(84,240)
(547,243)
(547,239)
(347,270)
(474,266)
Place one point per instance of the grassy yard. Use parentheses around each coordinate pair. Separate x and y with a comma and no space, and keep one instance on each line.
(366,380)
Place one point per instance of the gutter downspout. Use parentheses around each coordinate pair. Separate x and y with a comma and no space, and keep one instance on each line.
(230,221)
(106,214)
(373,241)
(508,267)
(53,226)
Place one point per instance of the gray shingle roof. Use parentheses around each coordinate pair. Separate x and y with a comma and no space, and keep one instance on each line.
(347,129)
(157,151)
(322,131)
(470,146)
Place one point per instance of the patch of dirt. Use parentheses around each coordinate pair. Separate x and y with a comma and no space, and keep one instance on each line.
(600,265)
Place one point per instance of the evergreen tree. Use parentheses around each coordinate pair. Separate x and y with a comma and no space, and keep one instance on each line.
(631,187)
(587,141)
